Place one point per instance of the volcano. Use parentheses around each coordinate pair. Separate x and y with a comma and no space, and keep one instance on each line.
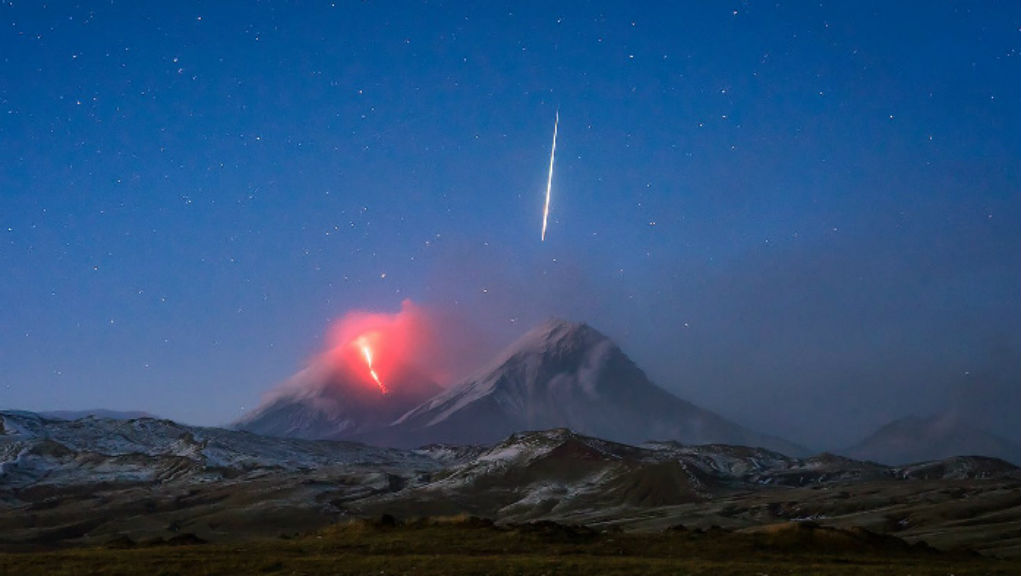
(565,375)
(329,400)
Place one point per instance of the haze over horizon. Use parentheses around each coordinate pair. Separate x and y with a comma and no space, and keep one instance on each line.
(803,217)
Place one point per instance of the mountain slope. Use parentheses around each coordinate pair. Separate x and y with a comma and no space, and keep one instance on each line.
(914,439)
(328,401)
(37,451)
(149,477)
(567,375)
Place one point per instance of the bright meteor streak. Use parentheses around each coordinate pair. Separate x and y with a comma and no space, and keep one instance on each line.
(549,180)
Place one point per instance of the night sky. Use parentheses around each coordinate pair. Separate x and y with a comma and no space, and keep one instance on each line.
(804,216)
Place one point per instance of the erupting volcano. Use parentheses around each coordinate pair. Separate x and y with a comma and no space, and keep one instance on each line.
(371,374)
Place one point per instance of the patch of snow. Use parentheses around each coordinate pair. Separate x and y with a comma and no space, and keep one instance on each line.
(507,453)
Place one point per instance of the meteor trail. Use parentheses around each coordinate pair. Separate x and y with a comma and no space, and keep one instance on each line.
(549,181)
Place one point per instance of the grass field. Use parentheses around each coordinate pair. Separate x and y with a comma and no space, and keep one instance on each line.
(468,546)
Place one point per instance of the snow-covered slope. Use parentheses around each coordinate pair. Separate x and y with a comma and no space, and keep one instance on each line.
(568,375)
(915,439)
(35,451)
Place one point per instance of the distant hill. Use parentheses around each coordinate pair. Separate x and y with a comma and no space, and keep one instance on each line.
(915,439)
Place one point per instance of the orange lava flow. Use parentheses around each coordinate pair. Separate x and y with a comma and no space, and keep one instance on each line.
(367,354)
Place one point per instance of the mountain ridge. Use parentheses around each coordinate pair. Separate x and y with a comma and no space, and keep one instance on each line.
(155,478)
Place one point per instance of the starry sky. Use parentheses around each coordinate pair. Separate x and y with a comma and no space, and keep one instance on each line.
(802,215)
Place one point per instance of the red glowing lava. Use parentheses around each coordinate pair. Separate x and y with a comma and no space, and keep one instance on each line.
(392,353)
(363,344)
(377,348)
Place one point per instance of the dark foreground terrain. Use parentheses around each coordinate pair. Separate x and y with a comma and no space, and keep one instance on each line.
(147,496)
(463,545)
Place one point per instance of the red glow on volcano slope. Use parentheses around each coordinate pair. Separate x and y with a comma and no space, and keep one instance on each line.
(363,344)
(378,347)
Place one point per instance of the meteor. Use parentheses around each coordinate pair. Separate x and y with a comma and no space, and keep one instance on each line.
(367,354)
(549,180)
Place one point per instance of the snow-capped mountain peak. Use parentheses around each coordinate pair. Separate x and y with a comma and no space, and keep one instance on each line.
(552,345)
(565,375)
